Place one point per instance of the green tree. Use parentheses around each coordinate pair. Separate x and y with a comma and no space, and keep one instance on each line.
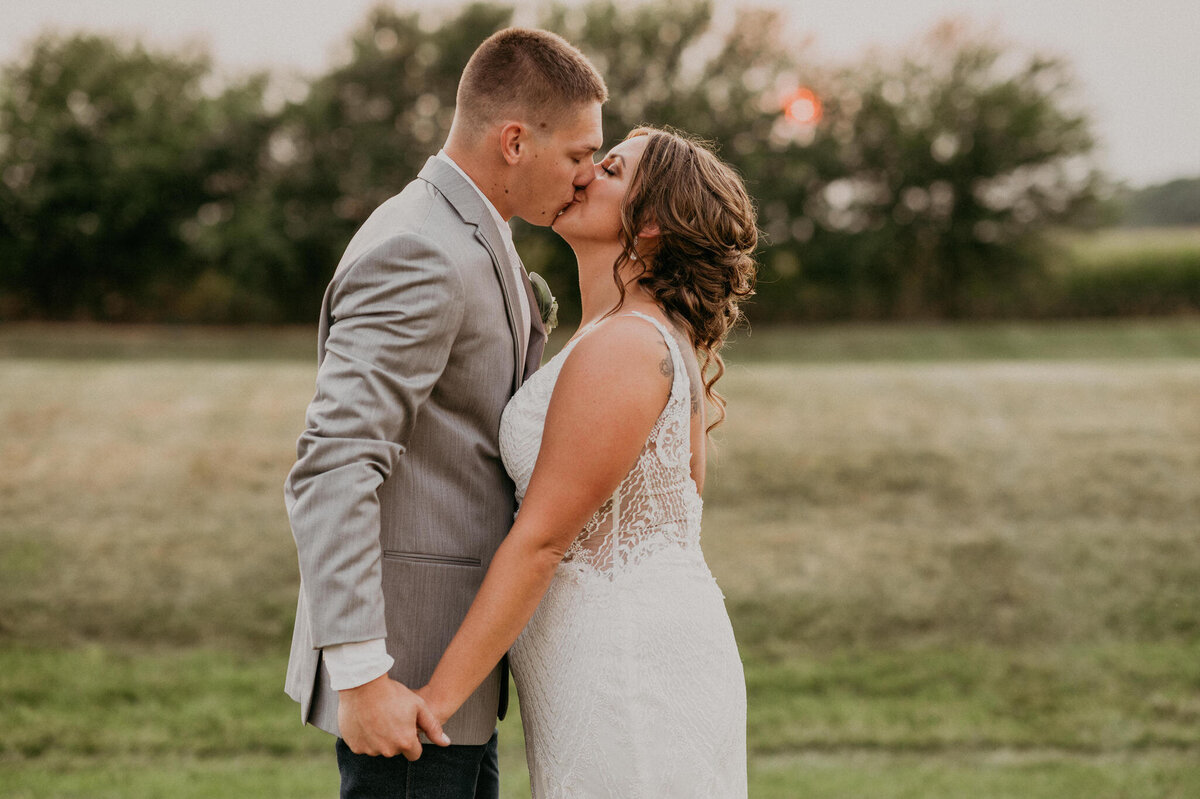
(111,158)
(1176,202)
(923,189)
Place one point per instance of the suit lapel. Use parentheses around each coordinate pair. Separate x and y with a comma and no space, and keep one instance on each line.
(470,207)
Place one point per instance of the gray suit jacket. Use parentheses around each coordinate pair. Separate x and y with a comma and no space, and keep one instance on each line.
(398,498)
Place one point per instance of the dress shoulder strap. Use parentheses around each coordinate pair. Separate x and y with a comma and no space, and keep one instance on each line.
(661,327)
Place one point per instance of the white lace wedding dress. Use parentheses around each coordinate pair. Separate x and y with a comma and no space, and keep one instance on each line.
(628,674)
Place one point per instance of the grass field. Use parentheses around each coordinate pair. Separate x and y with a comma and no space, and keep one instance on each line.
(1102,249)
(960,561)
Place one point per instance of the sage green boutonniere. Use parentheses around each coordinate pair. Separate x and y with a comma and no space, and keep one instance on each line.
(547,305)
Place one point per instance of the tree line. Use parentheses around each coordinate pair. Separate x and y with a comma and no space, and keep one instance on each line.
(1175,203)
(136,185)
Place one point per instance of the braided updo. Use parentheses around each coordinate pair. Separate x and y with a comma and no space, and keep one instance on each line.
(701,265)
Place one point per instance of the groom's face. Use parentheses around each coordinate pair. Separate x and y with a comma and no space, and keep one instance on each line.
(559,164)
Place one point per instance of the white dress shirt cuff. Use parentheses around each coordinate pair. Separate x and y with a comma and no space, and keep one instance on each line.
(352,665)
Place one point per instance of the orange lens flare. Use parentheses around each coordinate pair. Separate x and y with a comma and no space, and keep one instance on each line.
(802,107)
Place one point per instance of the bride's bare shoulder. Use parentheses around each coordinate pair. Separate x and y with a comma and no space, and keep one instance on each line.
(622,355)
(627,344)
(610,391)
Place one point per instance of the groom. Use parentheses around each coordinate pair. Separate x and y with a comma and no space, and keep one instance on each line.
(398,497)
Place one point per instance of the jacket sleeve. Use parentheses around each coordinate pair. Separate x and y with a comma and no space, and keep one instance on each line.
(394,313)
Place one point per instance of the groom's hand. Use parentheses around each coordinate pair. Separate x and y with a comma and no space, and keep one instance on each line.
(381,718)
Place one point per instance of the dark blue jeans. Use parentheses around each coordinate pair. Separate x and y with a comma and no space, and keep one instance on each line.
(451,772)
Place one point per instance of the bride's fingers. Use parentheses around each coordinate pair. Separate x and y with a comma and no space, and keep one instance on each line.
(429,724)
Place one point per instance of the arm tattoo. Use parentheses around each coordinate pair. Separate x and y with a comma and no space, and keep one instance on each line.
(664,366)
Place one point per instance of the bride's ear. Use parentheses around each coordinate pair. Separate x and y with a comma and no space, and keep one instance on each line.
(647,243)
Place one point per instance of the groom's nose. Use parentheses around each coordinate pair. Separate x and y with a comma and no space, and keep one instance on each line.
(585,175)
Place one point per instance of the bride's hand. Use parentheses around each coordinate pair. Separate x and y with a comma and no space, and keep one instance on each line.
(440,708)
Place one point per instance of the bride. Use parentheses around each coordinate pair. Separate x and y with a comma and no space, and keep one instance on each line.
(625,662)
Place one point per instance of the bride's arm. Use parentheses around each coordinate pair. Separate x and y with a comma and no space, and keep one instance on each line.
(611,390)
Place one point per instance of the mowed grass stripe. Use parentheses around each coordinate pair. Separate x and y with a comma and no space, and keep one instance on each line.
(124,722)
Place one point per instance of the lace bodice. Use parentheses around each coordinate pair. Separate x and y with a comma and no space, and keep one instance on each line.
(655,506)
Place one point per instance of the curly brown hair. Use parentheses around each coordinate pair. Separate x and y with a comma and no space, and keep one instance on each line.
(701,265)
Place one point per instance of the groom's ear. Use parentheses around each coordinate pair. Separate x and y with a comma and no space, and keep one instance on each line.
(514,141)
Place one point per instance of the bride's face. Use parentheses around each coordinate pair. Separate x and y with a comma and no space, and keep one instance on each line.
(595,215)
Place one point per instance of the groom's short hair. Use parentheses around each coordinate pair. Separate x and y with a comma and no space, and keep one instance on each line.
(529,74)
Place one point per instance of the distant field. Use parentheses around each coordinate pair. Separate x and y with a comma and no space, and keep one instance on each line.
(1123,273)
(1105,248)
(960,561)
(1177,337)
(975,341)
(157,342)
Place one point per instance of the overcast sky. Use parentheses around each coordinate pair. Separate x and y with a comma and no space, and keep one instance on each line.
(1138,62)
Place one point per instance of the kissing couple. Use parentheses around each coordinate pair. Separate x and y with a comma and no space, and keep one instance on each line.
(458,511)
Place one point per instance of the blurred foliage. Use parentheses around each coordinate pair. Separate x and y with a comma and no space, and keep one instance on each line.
(1137,285)
(114,162)
(133,185)
(1127,271)
(924,187)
